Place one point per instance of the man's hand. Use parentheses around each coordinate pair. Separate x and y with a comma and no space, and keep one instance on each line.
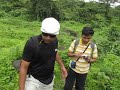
(64,72)
(86,58)
(63,69)
(78,55)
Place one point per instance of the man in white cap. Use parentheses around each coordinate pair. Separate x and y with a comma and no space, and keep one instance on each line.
(39,55)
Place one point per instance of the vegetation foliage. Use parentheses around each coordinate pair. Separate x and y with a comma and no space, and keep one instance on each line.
(20,19)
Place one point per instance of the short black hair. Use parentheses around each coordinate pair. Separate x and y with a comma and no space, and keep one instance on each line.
(87,31)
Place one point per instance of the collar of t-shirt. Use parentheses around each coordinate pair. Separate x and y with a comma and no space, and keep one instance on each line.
(80,42)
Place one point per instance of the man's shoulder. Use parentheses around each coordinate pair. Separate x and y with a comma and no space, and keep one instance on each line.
(36,38)
(56,39)
(32,41)
(93,44)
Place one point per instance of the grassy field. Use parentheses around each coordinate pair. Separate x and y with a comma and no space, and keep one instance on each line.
(14,32)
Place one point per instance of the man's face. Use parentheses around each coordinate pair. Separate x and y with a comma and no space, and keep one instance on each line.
(86,39)
(48,38)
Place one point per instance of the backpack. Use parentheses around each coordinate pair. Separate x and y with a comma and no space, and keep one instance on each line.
(16,64)
(91,44)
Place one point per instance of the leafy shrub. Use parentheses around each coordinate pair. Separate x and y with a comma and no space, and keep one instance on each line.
(114,38)
(7,43)
(2,14)
(104,74)
(18,12)
(111,68)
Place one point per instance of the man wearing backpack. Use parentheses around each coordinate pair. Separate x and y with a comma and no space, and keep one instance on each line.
(39,55)
(83,55)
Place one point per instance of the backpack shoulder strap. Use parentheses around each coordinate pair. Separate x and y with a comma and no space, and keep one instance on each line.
(93,47)
(36,42)
(76,43)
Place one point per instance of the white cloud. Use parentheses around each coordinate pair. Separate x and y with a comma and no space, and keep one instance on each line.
(90,0)
(115,4)
(112,5)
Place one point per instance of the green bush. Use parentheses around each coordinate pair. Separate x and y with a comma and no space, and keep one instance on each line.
(18,12)
(3,14)
(103,75)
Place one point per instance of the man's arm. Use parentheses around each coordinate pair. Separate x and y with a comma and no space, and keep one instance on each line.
(94,56)
(71,54)
(22,74)
(90,60)
(63,69)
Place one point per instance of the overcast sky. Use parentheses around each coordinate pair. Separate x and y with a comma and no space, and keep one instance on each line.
(89,0)
(115,4)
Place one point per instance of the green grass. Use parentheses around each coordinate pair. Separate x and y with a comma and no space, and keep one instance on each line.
(14,32)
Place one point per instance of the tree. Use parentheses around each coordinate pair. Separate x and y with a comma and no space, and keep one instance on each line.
(117,12)
(107,6)
(68,9)
(41,9)
(109,1)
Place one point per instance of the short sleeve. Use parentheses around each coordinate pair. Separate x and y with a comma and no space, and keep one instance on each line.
(70,49)
(28,51)
(95,52)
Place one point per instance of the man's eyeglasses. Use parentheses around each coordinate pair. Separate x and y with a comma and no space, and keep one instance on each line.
(50,35)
